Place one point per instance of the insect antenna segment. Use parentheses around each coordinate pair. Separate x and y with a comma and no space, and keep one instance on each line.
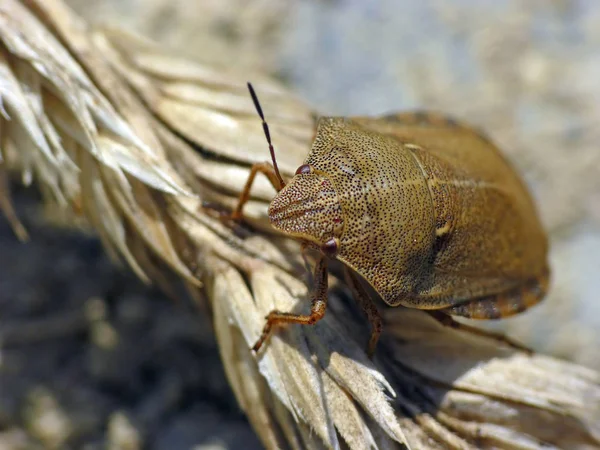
(267,133)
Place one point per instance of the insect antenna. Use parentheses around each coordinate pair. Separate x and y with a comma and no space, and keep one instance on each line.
(267,133)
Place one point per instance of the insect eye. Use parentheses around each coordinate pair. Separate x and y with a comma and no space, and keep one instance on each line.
(331,247)
(304,169)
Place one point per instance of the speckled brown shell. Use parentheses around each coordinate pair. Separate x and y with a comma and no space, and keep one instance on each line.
(427,211)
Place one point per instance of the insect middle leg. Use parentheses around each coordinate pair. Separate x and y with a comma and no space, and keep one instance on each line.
(317,309)
(311,278)
(368,306)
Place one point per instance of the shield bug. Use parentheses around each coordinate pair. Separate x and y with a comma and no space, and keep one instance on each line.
(424,209)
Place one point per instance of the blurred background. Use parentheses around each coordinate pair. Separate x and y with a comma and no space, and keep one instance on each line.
(525,71)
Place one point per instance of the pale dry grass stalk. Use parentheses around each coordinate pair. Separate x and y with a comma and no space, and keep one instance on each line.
(112,128)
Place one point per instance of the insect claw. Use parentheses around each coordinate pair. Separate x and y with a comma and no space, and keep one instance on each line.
(216,209)
(225,215)
(235,216)
(261,340)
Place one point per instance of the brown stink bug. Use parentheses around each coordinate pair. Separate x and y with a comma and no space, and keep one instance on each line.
(425,209)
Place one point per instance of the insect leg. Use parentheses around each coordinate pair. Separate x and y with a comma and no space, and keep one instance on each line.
(265,168)
(497,306)
(368,306)
(311,278)
(317,310)
(449,321)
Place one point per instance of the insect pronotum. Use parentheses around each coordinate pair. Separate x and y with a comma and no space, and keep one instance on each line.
(424,209)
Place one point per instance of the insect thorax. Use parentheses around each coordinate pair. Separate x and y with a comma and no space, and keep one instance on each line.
(388,216)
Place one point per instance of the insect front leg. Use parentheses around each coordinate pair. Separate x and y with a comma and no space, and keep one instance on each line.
(317,309)
(264,168)
(269,171)
(368,306)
